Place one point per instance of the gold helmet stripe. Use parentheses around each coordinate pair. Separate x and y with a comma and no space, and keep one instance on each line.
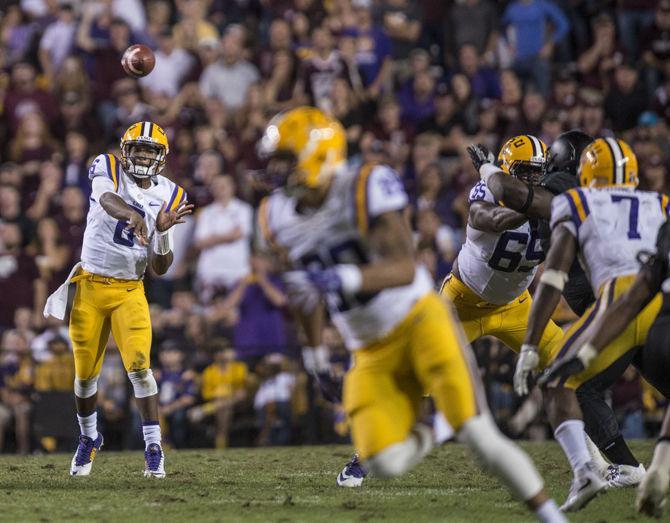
(618,166)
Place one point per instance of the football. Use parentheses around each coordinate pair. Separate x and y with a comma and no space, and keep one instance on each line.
(138,61)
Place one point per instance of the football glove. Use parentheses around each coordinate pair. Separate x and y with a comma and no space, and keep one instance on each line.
(528,361)
(479,154)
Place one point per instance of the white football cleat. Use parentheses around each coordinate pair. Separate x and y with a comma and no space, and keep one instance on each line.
(82,461)
(620,476)
(652,492)
(586,485)
(352,474)
(154,462)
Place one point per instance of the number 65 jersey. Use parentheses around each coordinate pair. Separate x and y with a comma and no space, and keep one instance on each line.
(110,248)
(499,267)
(612,225)
(336,233)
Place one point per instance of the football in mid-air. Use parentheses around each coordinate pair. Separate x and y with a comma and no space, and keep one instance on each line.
(138,60)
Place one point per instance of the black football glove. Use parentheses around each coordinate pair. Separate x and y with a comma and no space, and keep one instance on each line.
(479,154)
(563,368)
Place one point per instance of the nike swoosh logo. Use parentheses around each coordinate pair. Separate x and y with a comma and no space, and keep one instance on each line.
(130,290)
(152,204)
(523,299)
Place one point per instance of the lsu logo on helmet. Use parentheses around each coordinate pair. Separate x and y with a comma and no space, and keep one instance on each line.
(144,134)
(608,162)
(523,157)
(315,141)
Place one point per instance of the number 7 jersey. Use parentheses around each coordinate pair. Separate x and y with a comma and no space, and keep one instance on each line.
(499,267)
(109,248)
(612,225)
(336,233)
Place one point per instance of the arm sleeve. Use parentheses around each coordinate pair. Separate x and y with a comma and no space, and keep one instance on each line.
(385,192)
(558,19)
(100,185)
(562,212)
(481,193)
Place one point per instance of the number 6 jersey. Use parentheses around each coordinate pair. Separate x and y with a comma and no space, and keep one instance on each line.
(499,266)
(336,233)
(612,225)
(109,248)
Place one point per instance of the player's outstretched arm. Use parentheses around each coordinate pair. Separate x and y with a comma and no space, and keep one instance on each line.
(489,217)
(161,255)
(534,202)
(559,259)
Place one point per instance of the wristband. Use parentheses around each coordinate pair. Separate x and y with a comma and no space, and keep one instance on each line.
(587,354)
(526,347)
(554,278)
(487,170)
(351,276)
(162,243)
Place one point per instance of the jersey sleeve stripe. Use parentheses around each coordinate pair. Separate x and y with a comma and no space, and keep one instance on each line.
(584,203)
(112,169)
(177,195)
(361,198)
(664,201)
(576,208)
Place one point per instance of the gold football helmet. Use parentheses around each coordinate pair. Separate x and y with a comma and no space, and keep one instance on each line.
(144,147)
(524,157)
(608,162)
(314,143)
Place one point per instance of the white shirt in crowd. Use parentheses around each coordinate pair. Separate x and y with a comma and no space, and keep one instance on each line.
(228,83)
(169,71)
(275,390)
(224,263)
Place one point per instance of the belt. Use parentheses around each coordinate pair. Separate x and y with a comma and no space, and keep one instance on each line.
(107,280)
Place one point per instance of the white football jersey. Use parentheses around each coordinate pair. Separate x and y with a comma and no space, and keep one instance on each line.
(109,248)
(335,233)
(499,266)
(612,225)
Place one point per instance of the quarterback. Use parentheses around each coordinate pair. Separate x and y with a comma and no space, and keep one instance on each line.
(607,221)
(489,282)
(345,234)
(131,212)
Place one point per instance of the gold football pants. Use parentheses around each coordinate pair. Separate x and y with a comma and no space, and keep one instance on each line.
(101,305)
(427,351)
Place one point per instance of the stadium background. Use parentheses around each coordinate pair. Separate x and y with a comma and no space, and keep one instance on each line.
(413,82)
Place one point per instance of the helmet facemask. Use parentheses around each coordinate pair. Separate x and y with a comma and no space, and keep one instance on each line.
(528,172)
(143,159)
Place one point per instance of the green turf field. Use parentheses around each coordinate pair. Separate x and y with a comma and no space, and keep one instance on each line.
(281,485)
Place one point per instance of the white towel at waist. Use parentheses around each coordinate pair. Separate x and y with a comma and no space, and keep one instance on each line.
(57,302)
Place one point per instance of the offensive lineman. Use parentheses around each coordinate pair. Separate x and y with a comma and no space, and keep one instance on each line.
(346,236)
(609,222)
(489,282)
(128,226)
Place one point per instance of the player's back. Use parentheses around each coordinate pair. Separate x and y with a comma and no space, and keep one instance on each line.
(612,225)
(335,233)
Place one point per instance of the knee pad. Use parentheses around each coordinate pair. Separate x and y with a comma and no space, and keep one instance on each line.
(85,388)
(501,456)
(144,383)
(398,458)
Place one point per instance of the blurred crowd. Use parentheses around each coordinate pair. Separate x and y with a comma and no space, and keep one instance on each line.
(412,81)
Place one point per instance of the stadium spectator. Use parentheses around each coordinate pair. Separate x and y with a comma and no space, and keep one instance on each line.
(221,238)
(229,78)
(402,20)
(177,392)
(16,384)
(273,401)
(626,99)
(56,374)
(57,40)
(173,65)
(481,29)
(224,385)
(527,23)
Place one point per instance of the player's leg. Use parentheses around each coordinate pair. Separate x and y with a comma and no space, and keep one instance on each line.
(89,332)
(381,397)
(464,303)
(445,366)
(653,489)
(131,328)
